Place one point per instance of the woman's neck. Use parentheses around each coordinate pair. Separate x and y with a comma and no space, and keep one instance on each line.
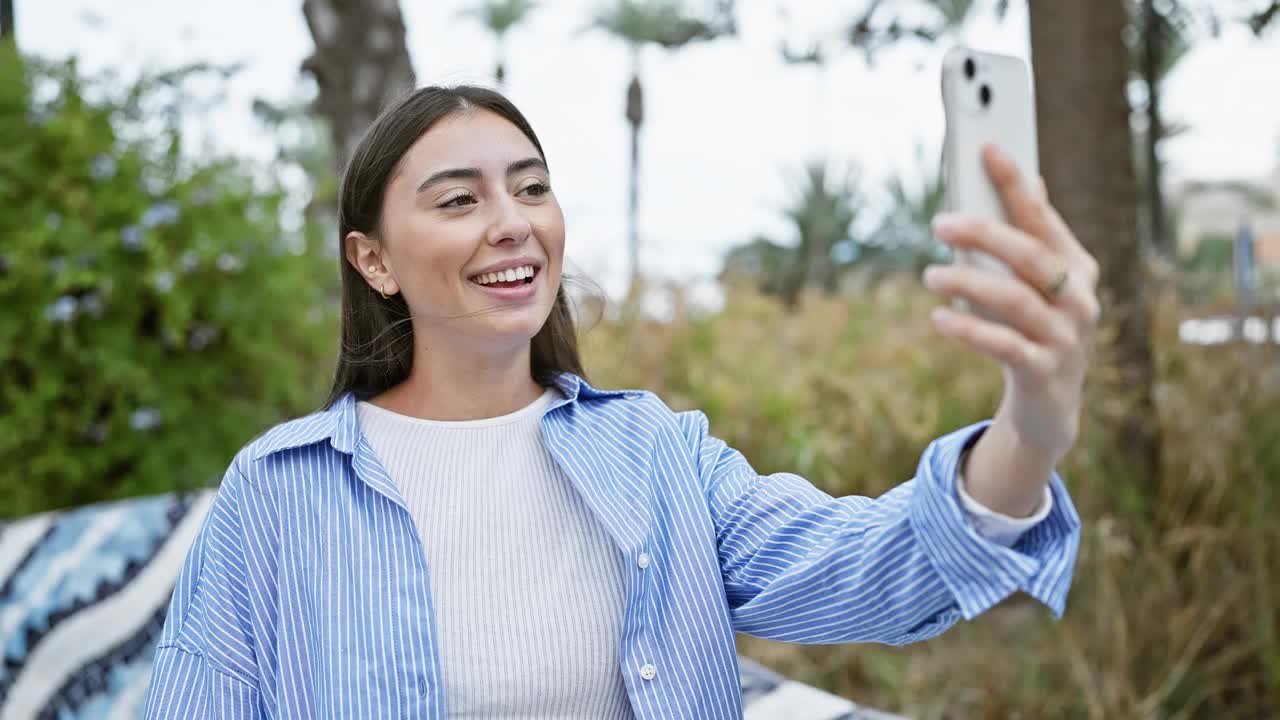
(442,386)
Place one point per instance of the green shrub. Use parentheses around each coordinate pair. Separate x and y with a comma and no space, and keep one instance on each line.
(155,314)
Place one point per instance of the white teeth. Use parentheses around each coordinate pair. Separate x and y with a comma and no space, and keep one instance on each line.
(509,275)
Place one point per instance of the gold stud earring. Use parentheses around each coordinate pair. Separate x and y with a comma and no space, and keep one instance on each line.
(372,269)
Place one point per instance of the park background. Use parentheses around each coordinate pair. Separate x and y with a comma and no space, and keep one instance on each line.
(168,284)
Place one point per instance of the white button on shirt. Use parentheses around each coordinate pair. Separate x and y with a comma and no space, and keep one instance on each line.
(643,560)
(648,672)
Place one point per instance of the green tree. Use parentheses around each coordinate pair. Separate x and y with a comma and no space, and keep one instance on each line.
(639,23)
(822,215)
(157,314)
(499,17)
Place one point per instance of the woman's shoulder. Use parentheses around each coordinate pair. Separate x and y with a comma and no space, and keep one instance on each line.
(643,407)
(334,425)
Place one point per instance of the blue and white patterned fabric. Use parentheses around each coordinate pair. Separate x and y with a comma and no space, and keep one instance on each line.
(82,601)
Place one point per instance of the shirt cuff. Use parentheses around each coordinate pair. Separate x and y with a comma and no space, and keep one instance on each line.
(980,573)
(997,527)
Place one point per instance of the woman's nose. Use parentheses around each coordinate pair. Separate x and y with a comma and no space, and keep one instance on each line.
(509,226)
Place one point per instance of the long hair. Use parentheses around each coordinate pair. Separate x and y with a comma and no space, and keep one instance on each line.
(376,333)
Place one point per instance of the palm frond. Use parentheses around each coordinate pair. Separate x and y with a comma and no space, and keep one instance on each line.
(954,12)
(499,16)
(660,22)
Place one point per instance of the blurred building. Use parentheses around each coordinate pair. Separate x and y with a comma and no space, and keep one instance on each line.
(1215,212)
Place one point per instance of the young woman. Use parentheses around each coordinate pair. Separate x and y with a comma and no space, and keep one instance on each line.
(469,529)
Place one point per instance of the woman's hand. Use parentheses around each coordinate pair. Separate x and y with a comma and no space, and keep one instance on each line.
(1049,310)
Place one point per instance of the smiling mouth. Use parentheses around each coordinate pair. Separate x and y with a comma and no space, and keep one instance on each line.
(510,278)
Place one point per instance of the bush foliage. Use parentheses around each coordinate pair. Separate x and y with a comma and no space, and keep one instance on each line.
(156,315)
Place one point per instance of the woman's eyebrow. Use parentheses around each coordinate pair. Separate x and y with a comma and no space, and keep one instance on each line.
(525,164)
(474,173)
(450,174)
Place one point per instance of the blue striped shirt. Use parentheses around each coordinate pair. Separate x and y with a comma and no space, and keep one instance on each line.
(306,592)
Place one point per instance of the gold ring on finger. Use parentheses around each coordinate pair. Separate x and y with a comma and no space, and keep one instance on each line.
(1054,287)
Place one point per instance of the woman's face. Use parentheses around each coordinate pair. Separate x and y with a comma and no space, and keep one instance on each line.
(472,235)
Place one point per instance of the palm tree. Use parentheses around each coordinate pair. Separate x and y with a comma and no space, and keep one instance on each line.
(639,23)
(355,78)
(823,214)
(1086,148)
(499,16)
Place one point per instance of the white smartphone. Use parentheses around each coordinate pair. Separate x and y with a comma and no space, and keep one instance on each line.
(987,98)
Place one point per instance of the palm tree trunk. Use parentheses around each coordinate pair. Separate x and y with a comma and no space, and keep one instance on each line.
(6,19)
(820,111)
(1151,61)
(356,77)
(633,206)
(635,116)
(1081,68)
(500,69)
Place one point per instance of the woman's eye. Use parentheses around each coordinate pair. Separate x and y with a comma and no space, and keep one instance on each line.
(537,189)
(459,200)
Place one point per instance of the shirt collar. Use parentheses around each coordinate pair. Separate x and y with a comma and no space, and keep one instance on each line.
(340,425)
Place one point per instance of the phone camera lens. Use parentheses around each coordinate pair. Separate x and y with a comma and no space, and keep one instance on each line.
(969,68)
(984,95)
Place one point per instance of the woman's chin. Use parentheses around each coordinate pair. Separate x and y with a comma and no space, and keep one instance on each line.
(512,329)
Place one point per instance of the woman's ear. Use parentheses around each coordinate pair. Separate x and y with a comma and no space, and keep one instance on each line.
(365,255)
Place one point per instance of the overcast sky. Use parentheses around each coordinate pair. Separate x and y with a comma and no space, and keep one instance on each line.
(728,125)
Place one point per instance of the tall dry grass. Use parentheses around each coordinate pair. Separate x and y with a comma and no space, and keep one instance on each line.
(1173,613)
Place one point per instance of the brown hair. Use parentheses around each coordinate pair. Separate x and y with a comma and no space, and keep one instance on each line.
(377,335)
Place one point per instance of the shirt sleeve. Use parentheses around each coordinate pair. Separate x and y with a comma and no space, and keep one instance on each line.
(997,527)
(205,665)
(801,566)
